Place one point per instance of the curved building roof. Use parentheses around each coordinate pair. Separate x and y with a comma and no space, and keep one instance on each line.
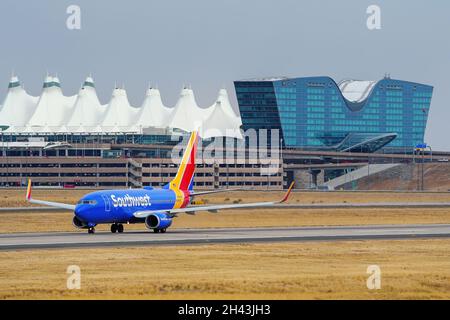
(356,90)
(365,142)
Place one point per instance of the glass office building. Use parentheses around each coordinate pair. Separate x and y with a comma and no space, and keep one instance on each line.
(352,115)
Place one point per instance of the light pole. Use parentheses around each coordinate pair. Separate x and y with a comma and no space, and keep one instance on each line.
(422,171)
(424,111)
(368,169)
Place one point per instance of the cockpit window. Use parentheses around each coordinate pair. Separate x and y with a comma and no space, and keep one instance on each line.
(90,202)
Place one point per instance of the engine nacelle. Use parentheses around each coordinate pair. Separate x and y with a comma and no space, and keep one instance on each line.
(158,221)
(77,223)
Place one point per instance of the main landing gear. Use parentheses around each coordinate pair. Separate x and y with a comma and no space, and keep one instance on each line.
(117,227)
(159,230)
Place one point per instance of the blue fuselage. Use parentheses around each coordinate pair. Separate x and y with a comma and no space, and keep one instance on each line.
(119,206)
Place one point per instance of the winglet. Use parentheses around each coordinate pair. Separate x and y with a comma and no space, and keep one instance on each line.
(28,195)
(286,196)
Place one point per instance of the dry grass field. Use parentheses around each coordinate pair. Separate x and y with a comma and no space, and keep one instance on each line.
(410,269)
(62,221)
(16,197)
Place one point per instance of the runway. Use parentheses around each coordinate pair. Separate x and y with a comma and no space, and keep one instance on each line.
(81,239)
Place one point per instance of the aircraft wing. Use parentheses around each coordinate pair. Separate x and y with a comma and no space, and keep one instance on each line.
(200,193)
(214,208)
(65,206)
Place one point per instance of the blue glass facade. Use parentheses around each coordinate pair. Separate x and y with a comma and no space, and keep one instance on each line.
(314,113)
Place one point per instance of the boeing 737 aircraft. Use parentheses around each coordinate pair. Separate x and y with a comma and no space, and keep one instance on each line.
(156,207)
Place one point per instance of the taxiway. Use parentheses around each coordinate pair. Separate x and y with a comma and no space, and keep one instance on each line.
(16,241)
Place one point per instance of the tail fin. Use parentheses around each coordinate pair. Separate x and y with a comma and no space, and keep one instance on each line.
(28,195)
(184,179)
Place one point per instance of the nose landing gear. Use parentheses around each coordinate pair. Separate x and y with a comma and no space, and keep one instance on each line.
(117,227)
(91,230)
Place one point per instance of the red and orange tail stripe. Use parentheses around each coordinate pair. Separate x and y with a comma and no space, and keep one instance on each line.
(28,195)
(180,184)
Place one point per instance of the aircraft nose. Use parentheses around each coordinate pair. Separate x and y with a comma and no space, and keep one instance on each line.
(81,212)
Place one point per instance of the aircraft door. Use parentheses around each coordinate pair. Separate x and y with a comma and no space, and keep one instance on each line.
(107,203)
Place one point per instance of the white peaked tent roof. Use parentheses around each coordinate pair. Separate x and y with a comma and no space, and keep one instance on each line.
(188,116)
(53,112)
(226,106)
(18,106)
(222,122)
(153,113)
(120,115)
(87,112)
(53,108)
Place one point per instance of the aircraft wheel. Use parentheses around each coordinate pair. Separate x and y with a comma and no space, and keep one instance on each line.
(156,230)
(163,230)
(120,228)
(91,230)
(114,228)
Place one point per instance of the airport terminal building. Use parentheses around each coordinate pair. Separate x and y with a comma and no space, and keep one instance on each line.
(326,129)
(60,140)
(352,115)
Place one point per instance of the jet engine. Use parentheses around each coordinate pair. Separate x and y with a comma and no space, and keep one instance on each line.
(158,221)
(79,224)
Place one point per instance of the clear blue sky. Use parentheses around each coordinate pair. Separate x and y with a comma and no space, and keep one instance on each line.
(208,44)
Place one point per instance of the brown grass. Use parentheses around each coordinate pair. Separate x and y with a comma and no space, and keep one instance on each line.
(16,197)
(408,176)
(411,269)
